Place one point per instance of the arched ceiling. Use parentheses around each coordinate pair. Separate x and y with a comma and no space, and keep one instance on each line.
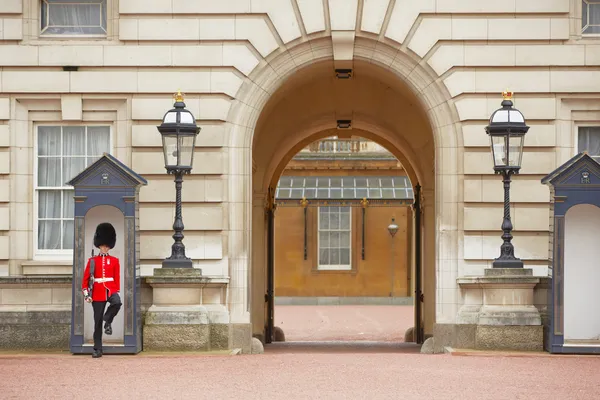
(306,107)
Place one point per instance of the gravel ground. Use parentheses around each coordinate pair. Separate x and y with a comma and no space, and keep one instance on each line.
(286,374)
(374,365)
(324,323)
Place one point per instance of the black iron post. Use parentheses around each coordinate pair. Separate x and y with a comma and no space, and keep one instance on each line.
(507,257)
(178,258)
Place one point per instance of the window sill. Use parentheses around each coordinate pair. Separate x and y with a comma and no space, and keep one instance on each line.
(54,267)
(320,270)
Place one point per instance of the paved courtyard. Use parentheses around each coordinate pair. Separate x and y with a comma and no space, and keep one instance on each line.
(287,374)
(336,352)
(349,322)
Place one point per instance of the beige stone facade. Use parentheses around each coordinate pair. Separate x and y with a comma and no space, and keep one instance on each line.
(259,75)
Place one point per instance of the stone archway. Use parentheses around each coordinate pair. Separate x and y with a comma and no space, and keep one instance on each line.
(393,99)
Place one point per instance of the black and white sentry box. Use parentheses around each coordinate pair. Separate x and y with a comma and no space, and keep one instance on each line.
(575,295)
(107,191)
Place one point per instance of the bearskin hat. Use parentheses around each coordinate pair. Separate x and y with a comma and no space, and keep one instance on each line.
(105,235)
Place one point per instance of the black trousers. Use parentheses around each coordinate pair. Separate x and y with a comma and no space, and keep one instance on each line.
(115,305)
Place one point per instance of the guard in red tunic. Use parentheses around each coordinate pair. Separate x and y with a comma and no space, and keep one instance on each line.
(106,284)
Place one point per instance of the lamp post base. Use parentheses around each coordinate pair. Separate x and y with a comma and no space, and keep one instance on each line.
(177,263)
(507,263)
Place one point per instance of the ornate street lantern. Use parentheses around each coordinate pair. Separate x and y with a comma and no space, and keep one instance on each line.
(179,131)
(507,131)
(393,228)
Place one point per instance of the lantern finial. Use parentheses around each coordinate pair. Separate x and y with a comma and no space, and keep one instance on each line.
(507,95)
(178,97)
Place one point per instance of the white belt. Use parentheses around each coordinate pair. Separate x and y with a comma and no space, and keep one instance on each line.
(101,280)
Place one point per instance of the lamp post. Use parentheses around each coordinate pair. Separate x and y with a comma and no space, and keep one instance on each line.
(178,131)
(392,229)
(507,131)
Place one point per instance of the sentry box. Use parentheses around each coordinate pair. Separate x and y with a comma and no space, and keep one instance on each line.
(107,191)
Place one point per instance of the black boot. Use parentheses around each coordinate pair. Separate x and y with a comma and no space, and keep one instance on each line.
(107,328)
(97,353)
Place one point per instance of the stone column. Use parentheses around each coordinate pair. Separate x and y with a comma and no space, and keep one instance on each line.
(429,262)
(258,279)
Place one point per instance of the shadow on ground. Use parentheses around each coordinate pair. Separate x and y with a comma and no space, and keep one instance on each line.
(341,347)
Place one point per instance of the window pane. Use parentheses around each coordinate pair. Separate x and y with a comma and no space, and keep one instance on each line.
(334,219)
(49,204)
(334,255)
(310,193)
(361,193)
(72,166)
(373,182)
(323,240)
(375,193)
(348,182)
(589,140)
(387,193)
(297,182)
(284,193)
(285,182)
(348,193)
(49,141)
(67,235)
(400,193)
(68,204)
(345,257)
(73,141)
(345,221)
(323,193)
(323,218)
(387,182)
(336,182)
(361,182)
(74,15)
(336,193)
(49,235)
(310,181)
(324,256)
(345,240)
(334,239)
(400,182)
(323,182)
(49,172)
(98,141)
(296,193)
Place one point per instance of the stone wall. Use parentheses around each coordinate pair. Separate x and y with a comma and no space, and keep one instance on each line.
(218,52)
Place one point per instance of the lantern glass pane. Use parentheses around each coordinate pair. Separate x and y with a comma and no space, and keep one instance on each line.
(515,151)
(516,116)
(186,147)
(499,148)
(170,117)
(499,116)
(170,149)
(187,118)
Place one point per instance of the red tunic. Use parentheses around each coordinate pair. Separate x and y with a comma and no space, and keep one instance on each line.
(107,276)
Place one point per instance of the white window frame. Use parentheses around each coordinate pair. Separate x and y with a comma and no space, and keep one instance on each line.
(583,34)
(43,35)
(586,124)
(327,267)
(46,254)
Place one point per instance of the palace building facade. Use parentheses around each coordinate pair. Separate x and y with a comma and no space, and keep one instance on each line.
(265,79)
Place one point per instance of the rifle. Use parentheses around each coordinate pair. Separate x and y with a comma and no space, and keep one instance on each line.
(91,281)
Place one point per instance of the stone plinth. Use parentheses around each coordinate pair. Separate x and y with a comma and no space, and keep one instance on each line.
(188,312)
(36,312)
(501,307)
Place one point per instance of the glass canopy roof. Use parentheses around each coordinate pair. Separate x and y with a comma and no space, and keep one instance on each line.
(344,187)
